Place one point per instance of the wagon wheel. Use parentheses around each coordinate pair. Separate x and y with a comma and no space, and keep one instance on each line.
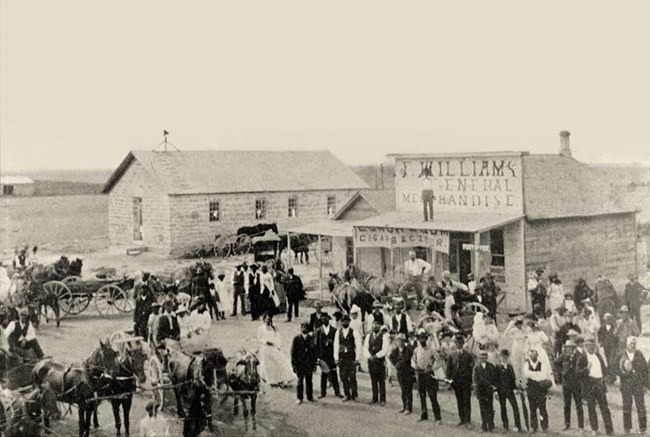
(222,247)
(242,245)
(476,307)
(326,258)
(313,250)
(77,304)
(111,299)
(69,279)
(63,294)
(156,377)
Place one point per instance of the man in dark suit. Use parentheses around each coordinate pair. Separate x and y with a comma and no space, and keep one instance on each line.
(592,365)
(608,339)
(571,384)
(303,361)
(506,386)
(400,357)
(295,293)
(459,369)
(633,371)
(168,324)
(315,319)
(325,336)
(484,379)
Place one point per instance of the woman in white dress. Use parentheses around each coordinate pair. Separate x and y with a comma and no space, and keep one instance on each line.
(223,295)
(555,293)
(275,367)
(538,340)
(515,332)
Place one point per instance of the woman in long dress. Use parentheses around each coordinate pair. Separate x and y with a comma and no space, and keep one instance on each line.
(515,332)
(537,339)
(275,367)
(555,293)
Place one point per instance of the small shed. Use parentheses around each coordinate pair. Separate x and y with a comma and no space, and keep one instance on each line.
(16,186)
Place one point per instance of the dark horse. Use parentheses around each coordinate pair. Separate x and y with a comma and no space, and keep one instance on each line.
(77,385)
(123,383)
(299,245)
(193,378)
(243,377)
(346,294)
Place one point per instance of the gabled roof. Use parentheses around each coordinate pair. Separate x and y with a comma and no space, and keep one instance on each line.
(15,180)
(558,186)
(380,200)
(203,172)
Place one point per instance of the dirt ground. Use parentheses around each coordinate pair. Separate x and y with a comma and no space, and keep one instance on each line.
(278,415)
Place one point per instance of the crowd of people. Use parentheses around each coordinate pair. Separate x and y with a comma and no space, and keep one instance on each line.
(584,341)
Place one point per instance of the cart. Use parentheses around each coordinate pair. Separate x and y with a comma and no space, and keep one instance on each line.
(110,296)
(468,312)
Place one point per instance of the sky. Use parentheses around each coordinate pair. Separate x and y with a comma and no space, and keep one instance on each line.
(83,82)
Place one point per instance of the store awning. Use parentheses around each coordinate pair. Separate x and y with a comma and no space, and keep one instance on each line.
(332,228)
(447,221)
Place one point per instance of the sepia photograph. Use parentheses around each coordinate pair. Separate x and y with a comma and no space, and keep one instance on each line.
(324,218)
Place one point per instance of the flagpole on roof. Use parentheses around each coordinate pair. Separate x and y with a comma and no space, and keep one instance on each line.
(164,143)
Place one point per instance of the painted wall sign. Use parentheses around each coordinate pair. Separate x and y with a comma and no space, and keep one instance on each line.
(491,183)
(479,248)
(392,238)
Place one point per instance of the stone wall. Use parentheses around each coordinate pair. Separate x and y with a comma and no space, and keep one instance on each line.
(586,246)
(190,213)
(155,211)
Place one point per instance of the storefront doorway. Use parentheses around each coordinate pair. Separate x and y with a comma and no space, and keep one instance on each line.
(460,261)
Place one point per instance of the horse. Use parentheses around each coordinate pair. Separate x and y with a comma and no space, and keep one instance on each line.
(244,377)
(347,294)
(77,385)
(299,245)
(257,230)
(21,413)
(379,287)
(124,381)
(192,378)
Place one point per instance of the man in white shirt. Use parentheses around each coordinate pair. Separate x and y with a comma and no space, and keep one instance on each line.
(414,270)
(376,314)
(593,366)
(375,349)
(21,337)
(347,355)
(151,425)
(537,375)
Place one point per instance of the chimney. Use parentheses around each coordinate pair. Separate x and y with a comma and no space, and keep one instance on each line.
(565,146)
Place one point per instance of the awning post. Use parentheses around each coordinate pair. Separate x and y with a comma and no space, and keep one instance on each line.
(477,255)
(320,265)
(289,257)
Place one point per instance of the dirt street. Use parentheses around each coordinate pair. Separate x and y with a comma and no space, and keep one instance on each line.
(278,415)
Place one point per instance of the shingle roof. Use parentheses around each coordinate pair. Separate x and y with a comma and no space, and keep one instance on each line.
(380,200)
(197,172)
(15,180)
(558,186)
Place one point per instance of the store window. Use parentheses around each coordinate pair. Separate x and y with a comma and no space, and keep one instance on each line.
(496,248)
(349,251)
(331,205)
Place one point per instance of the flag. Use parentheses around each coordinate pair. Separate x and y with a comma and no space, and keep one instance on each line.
(165,133)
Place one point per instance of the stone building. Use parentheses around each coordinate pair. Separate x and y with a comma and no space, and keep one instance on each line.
(504,212)
(16,186)
(167,201)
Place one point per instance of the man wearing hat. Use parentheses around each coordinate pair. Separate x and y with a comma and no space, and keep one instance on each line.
(255,292)
(537,289)
(168,324)
(21,336)
(484,380)
(294,291)
(490,291)
(152,322)
(401,322)
(238,283)
(635,295)
(506,385)
(571,384)
(401,357)
(424,363)
(593,366)
(375,315)
(151,424)
(633,371)
(376,349)
(303,362)
(609,341)
(538,381)
(626,327)
(316,318)
(325,336)
(460,366)
(347,354)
